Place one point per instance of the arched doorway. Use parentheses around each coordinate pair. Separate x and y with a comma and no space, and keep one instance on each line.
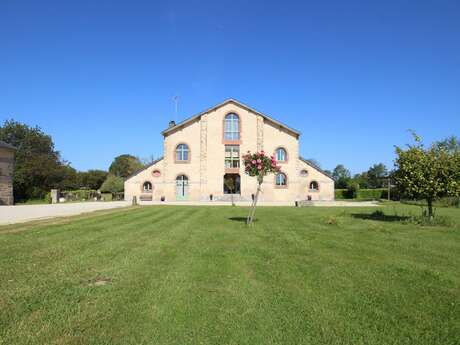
(232,184)
(181,187)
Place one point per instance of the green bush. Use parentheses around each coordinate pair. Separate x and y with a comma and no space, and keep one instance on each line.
(362,194)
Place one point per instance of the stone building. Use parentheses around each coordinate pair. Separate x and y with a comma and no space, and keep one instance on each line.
(6,173)
(203,151)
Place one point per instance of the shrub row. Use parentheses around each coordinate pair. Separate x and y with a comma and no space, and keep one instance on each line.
(367,194)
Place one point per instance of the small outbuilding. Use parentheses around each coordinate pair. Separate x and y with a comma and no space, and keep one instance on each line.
(7,152)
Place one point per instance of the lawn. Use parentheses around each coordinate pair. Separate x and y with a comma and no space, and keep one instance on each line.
(198,275)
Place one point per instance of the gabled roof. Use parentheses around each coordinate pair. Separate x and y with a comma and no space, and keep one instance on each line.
(143,168)
(227,101)
(4,145)
(310,163)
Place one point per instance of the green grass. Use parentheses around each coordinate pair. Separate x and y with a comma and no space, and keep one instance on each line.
(198,275)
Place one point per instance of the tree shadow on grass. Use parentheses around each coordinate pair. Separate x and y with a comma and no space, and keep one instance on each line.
(380,216)
(240,219)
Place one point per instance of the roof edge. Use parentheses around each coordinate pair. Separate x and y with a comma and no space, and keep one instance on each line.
(316,167)
(143,168)
(230,100)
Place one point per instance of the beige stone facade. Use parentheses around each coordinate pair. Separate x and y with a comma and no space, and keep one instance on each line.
(201,150)
(6,173)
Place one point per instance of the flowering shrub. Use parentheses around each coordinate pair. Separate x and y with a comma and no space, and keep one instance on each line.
(259,164)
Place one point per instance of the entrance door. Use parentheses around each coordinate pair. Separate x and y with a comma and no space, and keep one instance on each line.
(232,184)
(182,187)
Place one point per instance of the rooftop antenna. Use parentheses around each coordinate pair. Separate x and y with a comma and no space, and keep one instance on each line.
(175,99)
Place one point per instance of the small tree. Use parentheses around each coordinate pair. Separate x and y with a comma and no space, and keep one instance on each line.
(113,184)
(230,184)
(258,165)
(427,173)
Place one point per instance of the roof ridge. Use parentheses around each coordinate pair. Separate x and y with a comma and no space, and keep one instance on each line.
(230,100)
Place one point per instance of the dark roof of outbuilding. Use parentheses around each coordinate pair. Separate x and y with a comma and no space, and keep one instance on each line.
(230,100)
(6,146)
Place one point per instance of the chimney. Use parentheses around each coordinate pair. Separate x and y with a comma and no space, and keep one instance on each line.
(172,124)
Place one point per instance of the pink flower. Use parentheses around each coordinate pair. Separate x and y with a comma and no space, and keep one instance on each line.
(259,161)
(259,167)
(253,162)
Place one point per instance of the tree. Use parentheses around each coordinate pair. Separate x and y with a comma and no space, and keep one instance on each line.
(376,175)
(427,173)
(113,184)
(258,165)
(38,166)
(341,176)
(229,182)
(91,179)
(361,179)
(450,144)
(125,165)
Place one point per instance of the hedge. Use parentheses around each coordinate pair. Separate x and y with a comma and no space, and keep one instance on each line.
(378,193)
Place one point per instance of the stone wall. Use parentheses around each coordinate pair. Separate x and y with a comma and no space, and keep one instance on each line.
(6,176)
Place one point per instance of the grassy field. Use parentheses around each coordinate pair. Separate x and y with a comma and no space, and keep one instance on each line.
(198,275)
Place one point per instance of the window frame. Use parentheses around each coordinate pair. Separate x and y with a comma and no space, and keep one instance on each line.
(313,190)
(189,153)
(286,156)
(147,190)
(231,158)
(231,140)
(281,186)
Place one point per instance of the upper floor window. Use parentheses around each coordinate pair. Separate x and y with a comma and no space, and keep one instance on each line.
(147,186)
(232,156)
(182,153)
(232,127)
(281,179)
(281,155)
(314,186)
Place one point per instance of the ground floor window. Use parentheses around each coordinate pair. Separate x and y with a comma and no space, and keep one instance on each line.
(281,180)
(147,187)
(314,186)
(232,184)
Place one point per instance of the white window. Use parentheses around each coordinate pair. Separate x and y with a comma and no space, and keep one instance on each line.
(281,155)
(232,156)
(182,153)
(232,127)
(281,179)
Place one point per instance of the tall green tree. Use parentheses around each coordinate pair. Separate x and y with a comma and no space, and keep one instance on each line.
(125,165)
(38,165)
(427,173)
(92,179)
(341,176)
(376,175)
(451,144)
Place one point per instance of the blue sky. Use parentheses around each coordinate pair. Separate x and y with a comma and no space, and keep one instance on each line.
(352,76)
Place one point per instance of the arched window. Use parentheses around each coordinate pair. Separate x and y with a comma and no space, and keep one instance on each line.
(314,186)
(281,155)
(304,173)
(232,127)
(182,153)
(147,187)
(281,180)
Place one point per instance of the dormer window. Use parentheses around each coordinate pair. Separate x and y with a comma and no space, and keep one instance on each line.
(232,127)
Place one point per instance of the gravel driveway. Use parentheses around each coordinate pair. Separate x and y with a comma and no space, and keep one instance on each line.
(24,213)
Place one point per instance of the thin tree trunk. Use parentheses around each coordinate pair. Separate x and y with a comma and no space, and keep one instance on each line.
(252,211)
(430,209)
